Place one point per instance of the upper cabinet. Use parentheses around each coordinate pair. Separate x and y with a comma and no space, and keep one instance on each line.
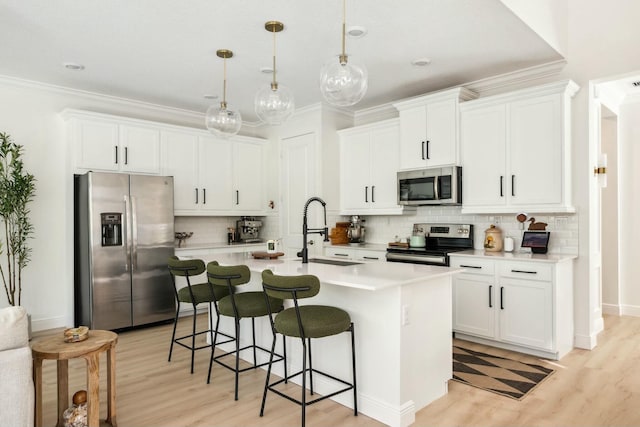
(516,151)
(103,143)
(429,129)
(215,176)
(368,168)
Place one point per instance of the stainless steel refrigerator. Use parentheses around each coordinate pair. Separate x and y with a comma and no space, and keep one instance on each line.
(123,238)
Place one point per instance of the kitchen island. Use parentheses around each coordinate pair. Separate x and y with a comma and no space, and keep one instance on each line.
(402,316)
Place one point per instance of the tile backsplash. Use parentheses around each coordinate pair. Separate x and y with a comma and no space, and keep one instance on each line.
(384,229)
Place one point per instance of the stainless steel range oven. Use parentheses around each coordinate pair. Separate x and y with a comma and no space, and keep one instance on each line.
(440,241)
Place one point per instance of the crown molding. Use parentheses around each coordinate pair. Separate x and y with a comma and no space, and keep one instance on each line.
(516,79)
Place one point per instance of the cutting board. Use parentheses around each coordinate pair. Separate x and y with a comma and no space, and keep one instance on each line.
(266,255)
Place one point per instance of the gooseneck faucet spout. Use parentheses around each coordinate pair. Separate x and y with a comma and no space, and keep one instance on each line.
(304,253)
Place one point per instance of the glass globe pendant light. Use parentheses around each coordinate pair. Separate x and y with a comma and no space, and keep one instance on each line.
(343,81)
(220,120)
(274,103)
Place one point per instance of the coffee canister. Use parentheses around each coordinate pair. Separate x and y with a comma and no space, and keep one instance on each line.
(493,239)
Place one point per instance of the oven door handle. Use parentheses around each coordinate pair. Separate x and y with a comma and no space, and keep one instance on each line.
(419,259)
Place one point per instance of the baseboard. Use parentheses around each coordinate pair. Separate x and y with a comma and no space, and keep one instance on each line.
(612,309)
(586,342)
(631,310)
(50,323)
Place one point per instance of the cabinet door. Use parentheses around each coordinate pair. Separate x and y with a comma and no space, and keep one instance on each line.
(474,305)
(180,160)
(139,149)
(483,156)
(96,145)
(249,178)
(383,149)
(526,315)
(215,183)
(441,143)
(355,161)
(413,138)
(536,151)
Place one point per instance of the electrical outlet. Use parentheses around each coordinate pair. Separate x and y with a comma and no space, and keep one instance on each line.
(405,315)
(562,221)
(497,219)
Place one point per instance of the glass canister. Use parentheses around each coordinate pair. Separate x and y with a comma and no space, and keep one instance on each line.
(493,239)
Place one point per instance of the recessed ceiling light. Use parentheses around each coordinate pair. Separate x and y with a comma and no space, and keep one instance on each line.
(211,97)
(266,70)
(421,62)
(73,66)
(356,31)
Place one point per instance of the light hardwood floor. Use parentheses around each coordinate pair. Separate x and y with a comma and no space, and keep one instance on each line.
(589,388)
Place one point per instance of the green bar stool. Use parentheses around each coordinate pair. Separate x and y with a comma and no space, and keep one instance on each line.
(193,294)
(306,322)
(241,305)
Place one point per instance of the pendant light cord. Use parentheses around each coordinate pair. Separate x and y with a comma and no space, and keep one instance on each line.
(274,85)
(343,57)
(223,104)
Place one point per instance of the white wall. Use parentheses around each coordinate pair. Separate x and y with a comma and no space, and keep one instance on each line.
(629,158)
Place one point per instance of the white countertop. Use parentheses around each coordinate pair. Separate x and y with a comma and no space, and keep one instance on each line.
(370,276)
(218,245)
(516,256)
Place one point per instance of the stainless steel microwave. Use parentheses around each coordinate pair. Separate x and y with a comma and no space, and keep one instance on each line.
(431,186)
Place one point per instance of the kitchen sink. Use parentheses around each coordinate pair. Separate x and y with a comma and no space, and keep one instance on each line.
(333,262)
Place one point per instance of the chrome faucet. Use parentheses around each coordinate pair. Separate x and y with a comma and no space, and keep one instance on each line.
(304,253)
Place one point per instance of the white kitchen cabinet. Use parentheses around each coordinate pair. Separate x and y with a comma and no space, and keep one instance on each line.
(429,129)
(215,176)
(516,151)
(106,143)
(368,169)
(521,306)
(355,253)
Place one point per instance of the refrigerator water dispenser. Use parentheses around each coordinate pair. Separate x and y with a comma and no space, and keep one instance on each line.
(111,228)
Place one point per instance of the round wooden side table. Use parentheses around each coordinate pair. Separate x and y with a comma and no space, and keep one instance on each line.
(54,348)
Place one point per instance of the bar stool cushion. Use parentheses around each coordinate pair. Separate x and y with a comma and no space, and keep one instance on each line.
(249,304)
(202,293)
(317,320)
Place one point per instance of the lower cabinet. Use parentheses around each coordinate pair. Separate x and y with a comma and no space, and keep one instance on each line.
(355,254)
(522,306)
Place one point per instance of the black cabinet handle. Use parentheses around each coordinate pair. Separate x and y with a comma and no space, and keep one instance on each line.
(341,254)
(501,297)
(513,185)
(370,257)
(524,271)
(428,158)
(116,150)
(470,266)
(422,151)
(501,185)
(373,194)
(366,194)
(126,155)
(196,195)
(490,296)
(204,196)
(237,197)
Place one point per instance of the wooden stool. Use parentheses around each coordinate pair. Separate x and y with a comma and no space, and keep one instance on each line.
(54,348)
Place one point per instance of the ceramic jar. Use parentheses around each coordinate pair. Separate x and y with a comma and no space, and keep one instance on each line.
(493,239)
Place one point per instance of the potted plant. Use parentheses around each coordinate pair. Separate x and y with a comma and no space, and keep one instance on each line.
(17,189)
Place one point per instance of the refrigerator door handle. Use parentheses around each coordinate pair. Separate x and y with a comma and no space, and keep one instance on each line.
(134,234)
(128,228)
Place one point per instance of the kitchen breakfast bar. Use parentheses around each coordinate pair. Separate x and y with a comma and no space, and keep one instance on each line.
(402,316)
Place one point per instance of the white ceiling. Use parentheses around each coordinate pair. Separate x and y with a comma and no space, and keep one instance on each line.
(163,51)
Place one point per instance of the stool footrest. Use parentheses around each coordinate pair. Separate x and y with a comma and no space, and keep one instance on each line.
(277,358)
(299,402)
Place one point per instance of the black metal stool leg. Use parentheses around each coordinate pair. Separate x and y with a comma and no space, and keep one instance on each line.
(237,321)
(213,348)
(173,336)
(304,381)
(253,329)
(266,383)
(193,338)
(284,358)
(353,356)
(310,367)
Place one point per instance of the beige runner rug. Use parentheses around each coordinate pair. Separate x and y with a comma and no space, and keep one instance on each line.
(497,374)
